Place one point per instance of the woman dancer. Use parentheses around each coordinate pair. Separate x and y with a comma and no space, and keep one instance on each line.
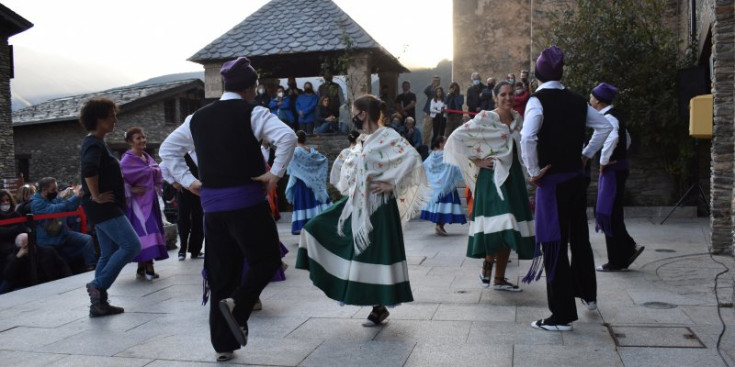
(143,181)
(340,160)
(104,203)
(444,206)
(486,149)
(307,186)
(354,250)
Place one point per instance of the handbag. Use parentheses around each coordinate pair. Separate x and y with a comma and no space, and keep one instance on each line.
(53,226)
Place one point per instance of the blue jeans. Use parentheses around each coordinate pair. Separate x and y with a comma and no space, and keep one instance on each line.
(119,244)
(76,245)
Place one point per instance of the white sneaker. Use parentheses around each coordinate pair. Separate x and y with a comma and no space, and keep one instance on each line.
(591,305)
(541,324)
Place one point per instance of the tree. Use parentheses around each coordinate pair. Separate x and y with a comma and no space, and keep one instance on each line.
(632,45)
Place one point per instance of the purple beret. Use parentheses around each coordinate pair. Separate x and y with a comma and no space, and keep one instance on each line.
(237,72)
(605,92)
(550,64)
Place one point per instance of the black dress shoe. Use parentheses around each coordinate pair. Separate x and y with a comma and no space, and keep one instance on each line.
(609,268)
(636,252)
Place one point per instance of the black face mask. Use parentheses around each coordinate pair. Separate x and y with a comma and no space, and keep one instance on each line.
(308,90)
(357,122)
(51,195)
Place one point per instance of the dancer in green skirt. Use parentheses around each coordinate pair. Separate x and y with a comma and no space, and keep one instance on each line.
(354,250)
(486,150)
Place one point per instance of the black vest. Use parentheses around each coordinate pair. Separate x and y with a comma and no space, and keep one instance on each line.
(621,150)
(562,133)
(227,151)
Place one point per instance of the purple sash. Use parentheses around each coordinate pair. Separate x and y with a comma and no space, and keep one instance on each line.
(231,198)
(548,232)
(607,188)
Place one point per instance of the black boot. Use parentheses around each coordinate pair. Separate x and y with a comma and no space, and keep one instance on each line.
(98,307)
(113,310)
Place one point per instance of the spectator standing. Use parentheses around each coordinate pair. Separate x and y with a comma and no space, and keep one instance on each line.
(261,97)
(525,80)
(474,92)
(280,106)
(438,122)
(406,101)
(521,98)
(54,232)
(104,203)
(306,107)
(454,101)
(487,102)
(143,180)
(293,93)
(428,126)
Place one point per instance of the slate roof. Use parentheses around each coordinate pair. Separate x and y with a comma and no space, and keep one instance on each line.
(130,97)
(288,27)
(11,23)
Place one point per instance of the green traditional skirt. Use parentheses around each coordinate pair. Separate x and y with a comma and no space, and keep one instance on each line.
(379,275)
(496,224)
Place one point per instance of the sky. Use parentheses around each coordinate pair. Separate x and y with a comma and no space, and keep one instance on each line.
(134,40)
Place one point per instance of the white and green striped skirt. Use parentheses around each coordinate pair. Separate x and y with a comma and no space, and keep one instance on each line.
(379,275)
(496,224)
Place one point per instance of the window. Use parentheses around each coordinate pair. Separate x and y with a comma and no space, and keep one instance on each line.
(169,111)
(189,106)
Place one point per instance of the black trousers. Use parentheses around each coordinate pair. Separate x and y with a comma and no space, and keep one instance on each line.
(190,222)
(438,126)
(620,246)
(232,237)
(575,278)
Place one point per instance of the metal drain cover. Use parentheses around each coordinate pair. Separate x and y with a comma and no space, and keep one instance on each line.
(659,305)
(655,337)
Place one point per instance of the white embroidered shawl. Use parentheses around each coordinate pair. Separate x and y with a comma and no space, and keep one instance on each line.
(337,166)
(482,137)
(381,156)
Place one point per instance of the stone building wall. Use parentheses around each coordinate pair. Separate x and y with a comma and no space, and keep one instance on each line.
(721,184)
(7,162)
(53,149)
(493,37)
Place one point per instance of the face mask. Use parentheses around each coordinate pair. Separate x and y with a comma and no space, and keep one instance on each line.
(476,82)
(4,207)
(280,94)
(307,90)
(52,195)
(261,91)
(519,91)
(357,122)
(511,81)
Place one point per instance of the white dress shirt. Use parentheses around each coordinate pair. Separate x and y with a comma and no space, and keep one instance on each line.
(265,126)
(612,140)
(435,107)
(534,118)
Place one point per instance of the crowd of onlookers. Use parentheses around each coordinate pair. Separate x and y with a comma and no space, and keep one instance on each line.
(61,249)
(318,111)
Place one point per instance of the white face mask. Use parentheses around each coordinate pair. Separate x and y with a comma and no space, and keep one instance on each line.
(475,82)
(280,94)
(519,91)
(261,91)
(4,207)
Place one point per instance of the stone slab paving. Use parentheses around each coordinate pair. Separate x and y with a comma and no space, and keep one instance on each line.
(452,322)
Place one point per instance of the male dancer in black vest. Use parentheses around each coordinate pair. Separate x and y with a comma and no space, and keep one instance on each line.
(232,184)
(552,138)
(621,248)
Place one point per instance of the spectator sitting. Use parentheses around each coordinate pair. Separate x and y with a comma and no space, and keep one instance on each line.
(413,136)
(54,232)
(24,199)
(305,107)
(281,106)
(14,262)
(326,118)
(396,123)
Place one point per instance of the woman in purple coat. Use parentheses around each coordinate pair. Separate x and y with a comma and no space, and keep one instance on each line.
(142,186)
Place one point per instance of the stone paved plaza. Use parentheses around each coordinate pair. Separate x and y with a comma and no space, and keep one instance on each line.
(662,313)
